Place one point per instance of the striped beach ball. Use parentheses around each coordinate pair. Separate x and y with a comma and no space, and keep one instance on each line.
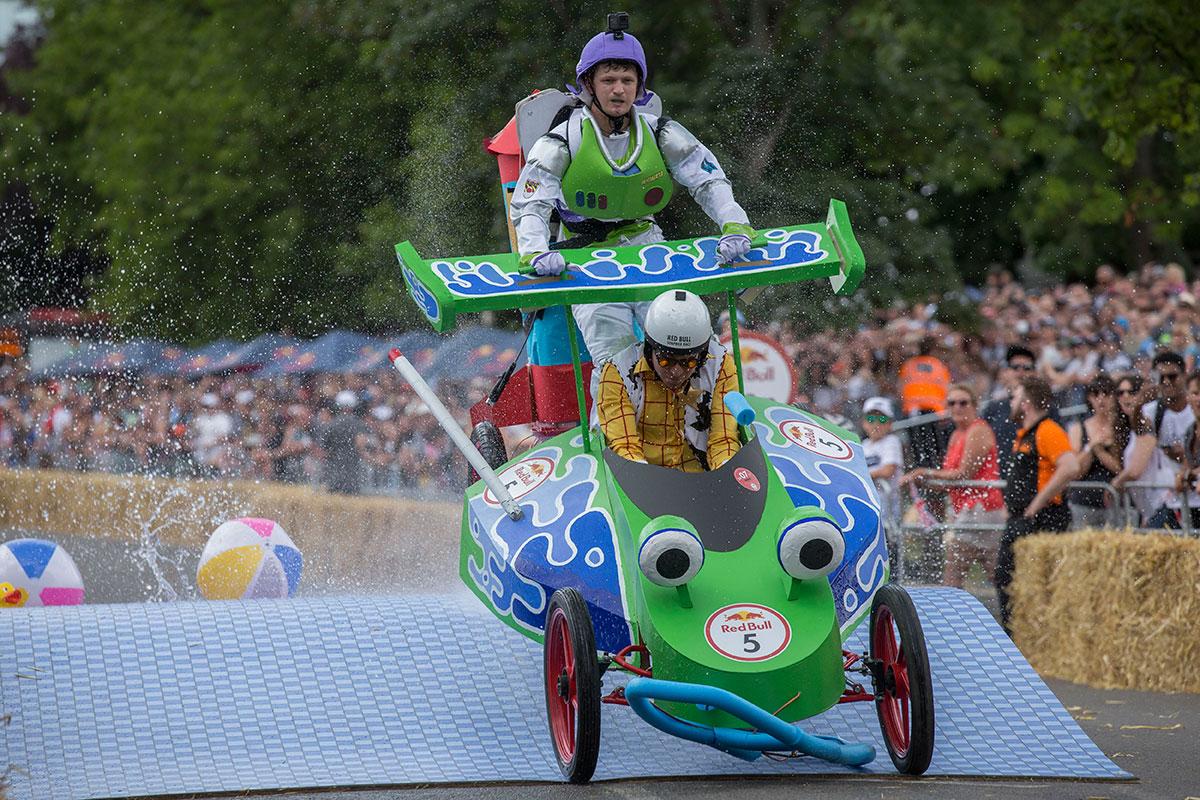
(34,572)
(247,558)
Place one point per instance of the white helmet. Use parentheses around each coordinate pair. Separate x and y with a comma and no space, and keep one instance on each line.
(678,320)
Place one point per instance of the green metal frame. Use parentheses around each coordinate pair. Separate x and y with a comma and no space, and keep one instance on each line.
(580,397)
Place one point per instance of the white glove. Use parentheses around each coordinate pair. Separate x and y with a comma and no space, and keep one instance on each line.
(733,246)
(551,262)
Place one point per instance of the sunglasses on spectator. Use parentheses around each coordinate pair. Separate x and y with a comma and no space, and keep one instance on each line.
(956,403)
(1126,393)
(1022,366)
(879,418)
(1169,377)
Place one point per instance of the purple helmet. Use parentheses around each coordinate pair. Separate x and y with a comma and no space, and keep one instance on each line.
(608,47)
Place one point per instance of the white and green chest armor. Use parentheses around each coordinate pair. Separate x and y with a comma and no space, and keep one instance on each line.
(597,186)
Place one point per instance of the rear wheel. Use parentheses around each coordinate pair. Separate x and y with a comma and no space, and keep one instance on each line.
(572,675)
(903,687)
(490,443)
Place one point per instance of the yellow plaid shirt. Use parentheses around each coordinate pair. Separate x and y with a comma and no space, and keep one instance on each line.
(658,437)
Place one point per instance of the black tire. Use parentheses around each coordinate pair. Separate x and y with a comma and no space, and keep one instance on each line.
(488,440)
(905,717)
(572,683)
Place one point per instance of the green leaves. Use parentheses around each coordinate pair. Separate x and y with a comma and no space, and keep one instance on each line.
(248,167)
(223,154)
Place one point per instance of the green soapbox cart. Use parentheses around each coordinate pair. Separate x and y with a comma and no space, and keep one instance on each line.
(728,595)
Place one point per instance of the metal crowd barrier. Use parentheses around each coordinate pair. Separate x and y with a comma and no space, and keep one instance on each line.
(1122,500)
(904,423)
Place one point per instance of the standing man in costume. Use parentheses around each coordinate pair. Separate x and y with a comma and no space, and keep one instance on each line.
(606,171)
(663,401)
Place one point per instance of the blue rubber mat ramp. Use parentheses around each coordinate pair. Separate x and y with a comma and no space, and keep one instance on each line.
(179,698)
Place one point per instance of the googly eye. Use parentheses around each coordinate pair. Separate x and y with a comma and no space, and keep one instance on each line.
(810,548)
(670,556)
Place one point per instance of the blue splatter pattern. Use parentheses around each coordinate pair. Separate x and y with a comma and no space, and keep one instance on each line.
(421,295)
(658,265)
(564,539)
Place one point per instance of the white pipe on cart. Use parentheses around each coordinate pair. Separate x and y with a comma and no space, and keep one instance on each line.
(425,392)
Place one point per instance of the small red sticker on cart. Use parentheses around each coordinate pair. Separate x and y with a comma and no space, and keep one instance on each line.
(746,478)
(748,632)
(522,478)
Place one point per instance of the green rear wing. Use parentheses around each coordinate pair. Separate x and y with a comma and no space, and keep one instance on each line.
(446,287)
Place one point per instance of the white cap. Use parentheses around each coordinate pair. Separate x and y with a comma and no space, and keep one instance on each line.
(382,413)
(346,399)
(244,396)
(208,399)
(678,320)
(879,405)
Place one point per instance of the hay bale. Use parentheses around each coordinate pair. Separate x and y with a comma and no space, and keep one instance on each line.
(1111,610)
(347,541)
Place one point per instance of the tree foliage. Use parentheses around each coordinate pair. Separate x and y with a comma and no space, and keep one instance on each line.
(242,167)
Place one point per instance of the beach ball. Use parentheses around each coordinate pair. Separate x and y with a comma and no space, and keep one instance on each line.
(34,572)
(248,558)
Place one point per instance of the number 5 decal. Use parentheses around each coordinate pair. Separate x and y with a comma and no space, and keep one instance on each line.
(748,632)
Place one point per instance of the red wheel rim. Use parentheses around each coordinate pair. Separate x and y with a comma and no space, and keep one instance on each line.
(894,703)
(563,711)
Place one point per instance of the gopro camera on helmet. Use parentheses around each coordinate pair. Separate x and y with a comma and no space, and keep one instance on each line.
(618,23)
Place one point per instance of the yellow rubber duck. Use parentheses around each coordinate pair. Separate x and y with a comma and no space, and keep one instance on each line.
(12,596)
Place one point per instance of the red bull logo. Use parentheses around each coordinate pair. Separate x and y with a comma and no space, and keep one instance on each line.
(522,478)
(750,355)
(747,632)
(816,439)
(767,369)
(743,621)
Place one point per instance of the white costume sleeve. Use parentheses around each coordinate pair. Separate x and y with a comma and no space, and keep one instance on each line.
(695,167)
(539,186)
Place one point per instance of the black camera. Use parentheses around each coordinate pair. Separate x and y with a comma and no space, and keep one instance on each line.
(618,23)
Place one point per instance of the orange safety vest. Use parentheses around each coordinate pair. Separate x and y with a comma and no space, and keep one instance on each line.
(924,381)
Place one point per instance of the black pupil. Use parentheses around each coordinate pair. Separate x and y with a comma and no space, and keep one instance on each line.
(673,563)
(816,554)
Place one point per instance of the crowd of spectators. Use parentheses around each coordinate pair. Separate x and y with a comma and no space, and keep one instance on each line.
(1076,331)
(370,433)
(351,433)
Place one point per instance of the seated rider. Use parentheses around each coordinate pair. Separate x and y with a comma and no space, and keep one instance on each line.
(663,401)
(606,170)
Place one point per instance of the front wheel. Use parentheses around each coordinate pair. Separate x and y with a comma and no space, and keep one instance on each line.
(903,687)
(572,685)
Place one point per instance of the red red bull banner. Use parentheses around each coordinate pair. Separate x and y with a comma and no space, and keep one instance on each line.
(766,369)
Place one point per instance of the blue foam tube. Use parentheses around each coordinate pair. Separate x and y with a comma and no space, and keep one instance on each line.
(739,406)
(771,732)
